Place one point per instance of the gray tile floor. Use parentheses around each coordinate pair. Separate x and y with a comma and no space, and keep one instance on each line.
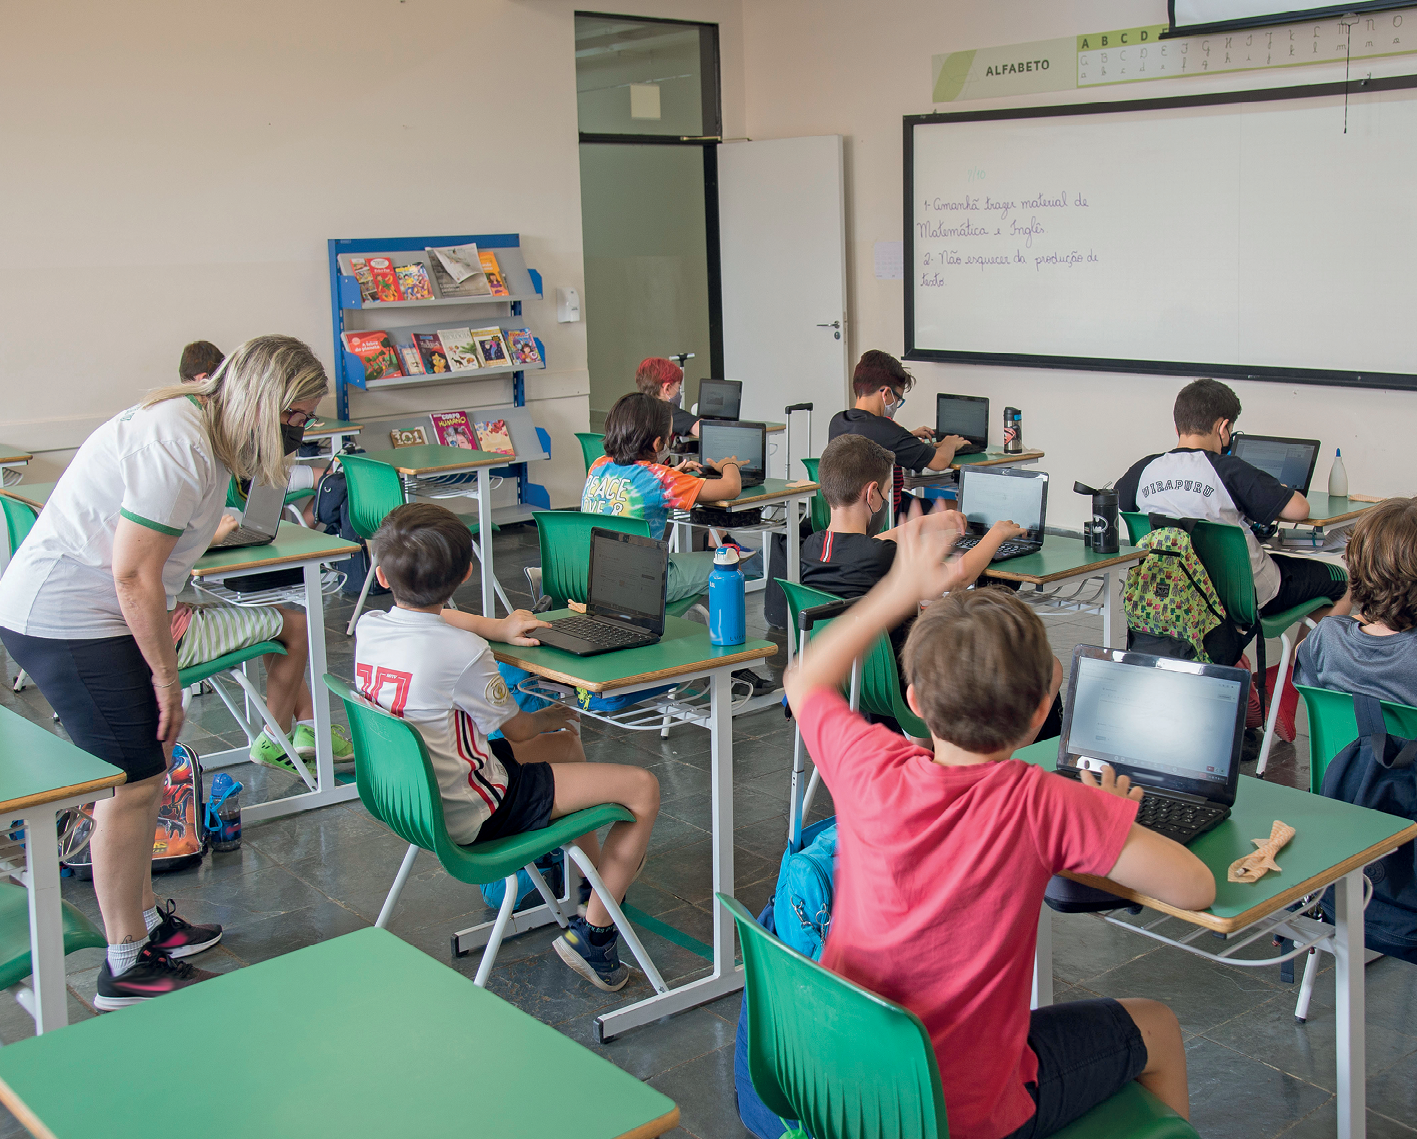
(1254,1072)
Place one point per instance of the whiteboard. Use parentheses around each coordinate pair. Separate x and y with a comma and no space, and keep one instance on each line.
(1235,235)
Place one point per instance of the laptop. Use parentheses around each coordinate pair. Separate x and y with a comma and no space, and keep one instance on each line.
(966,415)
(259,521)
(725,439)
(720,399)
(990,494)
(1174,727)
(629,581)
(1291,461)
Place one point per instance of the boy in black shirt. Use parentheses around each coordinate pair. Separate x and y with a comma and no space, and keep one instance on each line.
(663,379)
(880,384)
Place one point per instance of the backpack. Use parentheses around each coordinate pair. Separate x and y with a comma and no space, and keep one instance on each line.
(1377,771)
(802,905)
(1169,601)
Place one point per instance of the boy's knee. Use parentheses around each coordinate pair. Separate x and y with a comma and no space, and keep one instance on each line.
(646,795)
(293,626)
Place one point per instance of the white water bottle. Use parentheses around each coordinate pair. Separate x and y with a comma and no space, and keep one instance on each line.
(1337,477)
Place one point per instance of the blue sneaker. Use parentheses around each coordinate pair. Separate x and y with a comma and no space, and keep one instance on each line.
(551,869)
(598,964)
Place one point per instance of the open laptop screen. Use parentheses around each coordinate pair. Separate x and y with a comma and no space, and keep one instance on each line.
(720,399)
(1291,461)
(987,496)
(627,578)
(965,415)
(1151,716)
(727,440)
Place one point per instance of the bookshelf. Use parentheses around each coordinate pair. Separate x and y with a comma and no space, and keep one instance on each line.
(401,319)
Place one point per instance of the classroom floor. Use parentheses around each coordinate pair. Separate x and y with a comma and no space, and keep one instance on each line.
(1254,1073)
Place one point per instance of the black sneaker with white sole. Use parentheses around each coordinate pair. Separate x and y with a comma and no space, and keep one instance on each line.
(177,937)
(154,974)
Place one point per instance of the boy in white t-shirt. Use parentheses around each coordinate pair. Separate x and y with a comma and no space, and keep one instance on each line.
(431,666)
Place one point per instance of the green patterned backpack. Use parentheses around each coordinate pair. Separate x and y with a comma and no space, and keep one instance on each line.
(1169,594)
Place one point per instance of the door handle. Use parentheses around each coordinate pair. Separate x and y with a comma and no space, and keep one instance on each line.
(834,324)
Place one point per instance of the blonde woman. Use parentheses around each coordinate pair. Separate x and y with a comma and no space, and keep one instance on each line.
(86,609)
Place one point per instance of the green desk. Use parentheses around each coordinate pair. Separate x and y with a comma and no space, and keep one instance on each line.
(390,1042)
(337,431)
(1335,513)
(1334,842)
(683,654)
(41,775)
(1064,559)
(34,494)
(295,547)
(432,460)
(996,459)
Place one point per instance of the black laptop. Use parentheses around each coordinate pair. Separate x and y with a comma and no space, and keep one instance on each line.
(1291,461)
(260,521)
(629,580)
(966,415)
(720,399)
(993,494)
(740,438)
(1174,727)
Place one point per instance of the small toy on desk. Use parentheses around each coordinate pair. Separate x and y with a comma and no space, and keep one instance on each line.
(1255,866)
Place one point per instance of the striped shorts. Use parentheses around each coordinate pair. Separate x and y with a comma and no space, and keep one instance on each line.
(220,629)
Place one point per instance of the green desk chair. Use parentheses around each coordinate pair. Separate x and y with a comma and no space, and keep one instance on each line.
(592,447)
(818,509)
(374,489)
(20,518)
(79,933)
(1223,551)
(851,1065)
(398,786)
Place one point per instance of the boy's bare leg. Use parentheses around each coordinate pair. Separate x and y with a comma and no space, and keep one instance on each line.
(558,747)
(287,695)
(1165,1072)
(579,786)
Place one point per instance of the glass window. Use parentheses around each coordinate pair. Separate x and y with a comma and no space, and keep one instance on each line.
(646,77)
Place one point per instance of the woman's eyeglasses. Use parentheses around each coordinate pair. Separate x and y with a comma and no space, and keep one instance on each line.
(295,418)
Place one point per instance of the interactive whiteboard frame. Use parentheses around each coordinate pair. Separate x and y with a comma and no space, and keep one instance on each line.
(1406,381)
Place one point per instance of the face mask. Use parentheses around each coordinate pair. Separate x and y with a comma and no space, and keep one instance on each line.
(678,400)
(891,408)
(877,522)
(291,438)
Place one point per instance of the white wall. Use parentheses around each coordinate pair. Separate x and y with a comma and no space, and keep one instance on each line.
(856,69)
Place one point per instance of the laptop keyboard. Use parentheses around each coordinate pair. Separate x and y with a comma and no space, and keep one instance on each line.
(1007,550)
(241,537)
(1176,818)
(599,633)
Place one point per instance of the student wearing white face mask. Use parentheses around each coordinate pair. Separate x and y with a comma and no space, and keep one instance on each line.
(880,383)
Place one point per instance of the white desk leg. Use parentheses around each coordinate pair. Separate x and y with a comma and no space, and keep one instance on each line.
(1043,961)
(319,694)
(1114,621)
(484,540)
(1350,1016)
(46,921)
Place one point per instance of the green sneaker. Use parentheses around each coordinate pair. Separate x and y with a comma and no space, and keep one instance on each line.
(304,740)
(266,751)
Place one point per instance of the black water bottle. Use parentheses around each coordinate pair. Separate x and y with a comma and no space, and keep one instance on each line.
(1101,533)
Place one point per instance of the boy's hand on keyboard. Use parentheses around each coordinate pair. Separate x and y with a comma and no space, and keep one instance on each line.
(517,629)
(1006,531)
(224,528)
(1113,784)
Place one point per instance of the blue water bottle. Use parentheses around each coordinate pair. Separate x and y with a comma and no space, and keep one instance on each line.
(727,619)
(223,821)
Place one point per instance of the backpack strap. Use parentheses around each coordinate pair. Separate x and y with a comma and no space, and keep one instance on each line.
(1368,711)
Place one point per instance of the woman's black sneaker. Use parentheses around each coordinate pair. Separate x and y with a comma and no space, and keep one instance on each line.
(177,937)
(154,974)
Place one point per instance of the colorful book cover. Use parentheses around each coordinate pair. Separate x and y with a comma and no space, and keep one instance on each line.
(458,271)
(495,282)
(430,351)
(453,430)
(376,350)
(414,283)
(408,437)
(494,436)
(359,268)
(460,348)
(491,348)
(412,361)
(386,279)
(522,346)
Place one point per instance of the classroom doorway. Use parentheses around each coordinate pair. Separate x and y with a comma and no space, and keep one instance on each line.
(648,105)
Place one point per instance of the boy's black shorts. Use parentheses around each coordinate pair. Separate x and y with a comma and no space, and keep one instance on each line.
(1303,579)
(531,793)
(1087,1052)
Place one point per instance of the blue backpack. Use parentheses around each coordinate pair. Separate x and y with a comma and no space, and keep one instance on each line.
(802,906)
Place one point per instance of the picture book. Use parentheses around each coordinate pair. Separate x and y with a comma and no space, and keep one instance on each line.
(408,437)
(414,283)
(376,350)
(459,347)
(521,345)
(495,281)
(386,280)
(359,269)
(458,272)
(453,430)
(412,361)
(491,348)
(494,436)
(430,352)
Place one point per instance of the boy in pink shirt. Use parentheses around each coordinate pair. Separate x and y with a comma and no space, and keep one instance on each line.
(965,839)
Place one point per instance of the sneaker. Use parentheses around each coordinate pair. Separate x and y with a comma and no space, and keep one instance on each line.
(598,964)
(1254,710)
(528,895)
(152,975)
(758,685)
(178,937)
(267,752)
(304,741)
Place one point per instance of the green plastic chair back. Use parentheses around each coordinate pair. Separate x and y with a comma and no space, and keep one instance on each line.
(1332,726)
(374,490)
(19,520)
(397,784)
(592,447)
(819,510)
(564,536)
(844,1062)
(79,933)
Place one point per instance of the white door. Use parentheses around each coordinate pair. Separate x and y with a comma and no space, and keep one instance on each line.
(782,236)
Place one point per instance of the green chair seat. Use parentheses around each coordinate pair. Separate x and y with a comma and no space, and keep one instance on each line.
(1277,623)
(470,521)
(592,447)
(79,933)
(1133,1113)
(485,862)
(195,674)
(299,495)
